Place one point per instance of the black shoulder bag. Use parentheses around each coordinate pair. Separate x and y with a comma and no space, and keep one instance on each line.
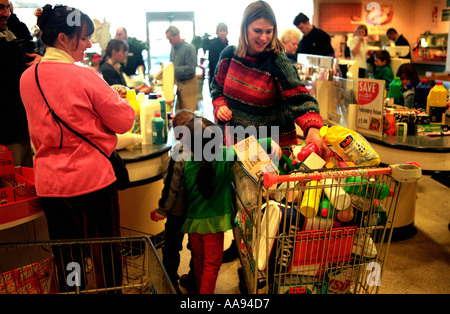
(119,166)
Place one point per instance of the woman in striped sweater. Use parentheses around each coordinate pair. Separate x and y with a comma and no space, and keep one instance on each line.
(256,85)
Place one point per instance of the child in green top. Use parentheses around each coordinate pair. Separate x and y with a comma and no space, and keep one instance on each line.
(208,178)
(382,69)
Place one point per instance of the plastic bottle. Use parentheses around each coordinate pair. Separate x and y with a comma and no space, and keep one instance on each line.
(421,94)
(389,122)
(326,209)
(336,194)
(132,99)
(311,199)
(408,96)
(162,101)
(158,130)
(365,188)
(436,103)
(148,110)
(306,151)
(395,90)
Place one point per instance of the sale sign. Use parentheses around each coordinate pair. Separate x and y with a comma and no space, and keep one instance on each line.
(369,115)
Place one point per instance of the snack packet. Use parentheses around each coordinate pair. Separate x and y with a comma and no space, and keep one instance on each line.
(350,145)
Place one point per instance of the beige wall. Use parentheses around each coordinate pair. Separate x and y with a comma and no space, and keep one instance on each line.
(411,17)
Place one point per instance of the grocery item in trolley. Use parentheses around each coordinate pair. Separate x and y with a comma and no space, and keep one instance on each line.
(350,145)
(269,229)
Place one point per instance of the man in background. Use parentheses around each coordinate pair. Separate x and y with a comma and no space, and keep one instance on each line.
(399,40)
(314,41)
(134,58)
(184,58)
(16,54)
(215,48)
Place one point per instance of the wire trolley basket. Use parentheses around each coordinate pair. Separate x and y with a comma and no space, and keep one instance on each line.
(120,265)
(321,232)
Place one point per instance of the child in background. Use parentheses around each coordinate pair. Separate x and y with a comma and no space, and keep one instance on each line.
(172,205)
(408,74)
(382,69)
(208,187)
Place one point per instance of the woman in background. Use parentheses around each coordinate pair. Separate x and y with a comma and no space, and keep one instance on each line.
(358,49)
(115,54)
(290,39)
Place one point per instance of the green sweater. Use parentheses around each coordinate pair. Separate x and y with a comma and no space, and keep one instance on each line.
(214,214)
(383,73)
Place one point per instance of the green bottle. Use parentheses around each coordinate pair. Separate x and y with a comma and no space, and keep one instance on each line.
(378,191)
(395,90)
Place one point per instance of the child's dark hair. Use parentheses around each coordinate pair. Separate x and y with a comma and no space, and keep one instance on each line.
(383,55)
(408,71)
(205,175)
(115,44)
(63,19)
(181,118)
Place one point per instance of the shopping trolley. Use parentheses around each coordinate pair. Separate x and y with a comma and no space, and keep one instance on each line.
(121,265)
(324,231)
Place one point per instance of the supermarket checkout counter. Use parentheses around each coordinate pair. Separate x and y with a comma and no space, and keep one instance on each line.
(145,168)
(431,152)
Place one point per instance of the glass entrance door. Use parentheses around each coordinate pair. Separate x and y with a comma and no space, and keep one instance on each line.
(157,24)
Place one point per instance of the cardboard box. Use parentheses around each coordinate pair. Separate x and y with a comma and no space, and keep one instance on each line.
(36,278)
(254,158)
(18,198)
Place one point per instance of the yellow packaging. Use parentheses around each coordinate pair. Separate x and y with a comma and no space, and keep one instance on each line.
(132,99)
(350,145)
(436,103)
(311,199)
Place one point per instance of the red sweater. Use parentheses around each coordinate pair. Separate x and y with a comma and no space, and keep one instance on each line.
(81,98)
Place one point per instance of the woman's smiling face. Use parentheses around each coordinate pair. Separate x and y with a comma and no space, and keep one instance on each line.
(259,35)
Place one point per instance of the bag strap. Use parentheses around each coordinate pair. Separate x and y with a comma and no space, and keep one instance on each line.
(60,121)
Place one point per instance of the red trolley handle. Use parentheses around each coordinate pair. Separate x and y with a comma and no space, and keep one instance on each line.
(271,179)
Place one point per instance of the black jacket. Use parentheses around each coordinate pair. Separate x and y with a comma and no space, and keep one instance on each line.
(14,124)
(134,60)
(215,48)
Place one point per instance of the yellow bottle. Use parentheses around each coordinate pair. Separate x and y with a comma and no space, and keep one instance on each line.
(311,199)
(132,99)
(436,103)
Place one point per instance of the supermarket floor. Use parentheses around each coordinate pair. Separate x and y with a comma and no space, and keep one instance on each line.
(418,265)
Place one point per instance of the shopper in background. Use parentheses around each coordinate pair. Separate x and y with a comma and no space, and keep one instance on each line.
(172,205)
(399,40)
(16,55)
(408,74)
(215,48)
(382,70)
(115,54)
(290,39)
(184,58)
(134,60)
(314,41)
(358,49)
(74,181)
(256,84)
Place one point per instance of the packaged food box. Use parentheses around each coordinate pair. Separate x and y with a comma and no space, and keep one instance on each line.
(18,198)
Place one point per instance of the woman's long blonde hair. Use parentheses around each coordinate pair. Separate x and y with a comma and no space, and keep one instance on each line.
(255,11)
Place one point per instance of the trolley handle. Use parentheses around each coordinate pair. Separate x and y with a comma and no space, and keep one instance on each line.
(271,179)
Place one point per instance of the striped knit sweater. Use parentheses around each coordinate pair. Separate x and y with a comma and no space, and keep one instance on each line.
(264,91)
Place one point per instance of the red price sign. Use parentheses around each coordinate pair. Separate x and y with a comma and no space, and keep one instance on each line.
(367,92)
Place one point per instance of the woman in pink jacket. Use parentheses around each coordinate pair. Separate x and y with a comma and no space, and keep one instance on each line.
(74,181)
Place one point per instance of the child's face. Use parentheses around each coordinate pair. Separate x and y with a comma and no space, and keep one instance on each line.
(405,80)
(379,63)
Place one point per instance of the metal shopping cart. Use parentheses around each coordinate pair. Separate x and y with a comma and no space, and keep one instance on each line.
(122,265)
(325,231)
